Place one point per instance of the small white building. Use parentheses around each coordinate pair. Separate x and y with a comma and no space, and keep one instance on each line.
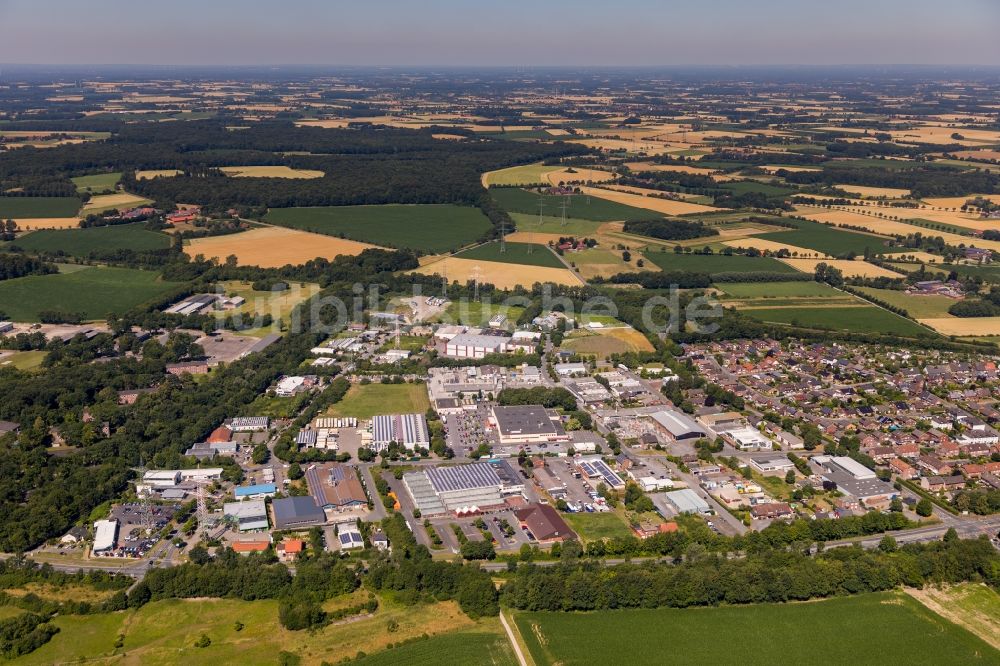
(289,386)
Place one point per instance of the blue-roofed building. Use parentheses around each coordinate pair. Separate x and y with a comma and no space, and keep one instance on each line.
(258,491)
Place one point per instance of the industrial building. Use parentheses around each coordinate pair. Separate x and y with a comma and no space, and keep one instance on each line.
(410,430)
(248,515)
(296,512)
(466,345)
(249,423)
(526,424)
(259,491)
(463,488)
(597,472)
(336,487)
(105,536)
(854,480)
(162,478)
(775,463)
(687,501)
(677,425)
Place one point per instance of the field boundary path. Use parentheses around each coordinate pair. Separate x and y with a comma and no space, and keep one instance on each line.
(513,641)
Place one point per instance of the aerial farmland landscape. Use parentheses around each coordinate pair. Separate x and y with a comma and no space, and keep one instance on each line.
(452,334)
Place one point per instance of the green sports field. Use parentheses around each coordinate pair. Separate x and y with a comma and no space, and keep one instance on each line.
(81,242)
(860,319)
(98,183)
(580,206)
(885,628)
(427,227)
(35,207)
(529,254)
(95,292)
(827,239)
(717,263)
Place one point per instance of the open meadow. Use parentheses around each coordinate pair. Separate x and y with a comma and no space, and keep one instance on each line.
(855,318)
(364,401)
(273,247)
(765,634)
(606,341)
(717,263)
(578,206)
(427,227)
(93,292)
(105,202)
(165,632)
(98,183)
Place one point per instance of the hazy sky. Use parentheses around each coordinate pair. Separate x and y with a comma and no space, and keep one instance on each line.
(504,32)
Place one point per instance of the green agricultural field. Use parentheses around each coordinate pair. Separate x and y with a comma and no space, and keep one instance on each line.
(528,174)
(553,224)
(367,400)
(828,239)
(98,183)
(529,254)
(888,628)
(716,263)
(860,319)
(458,649)
(988,273)
(580,206)
(81,242)
(35,207)
(745,186)
(778,289)
(94,292)
(918,307)
(427,227)
(597,526)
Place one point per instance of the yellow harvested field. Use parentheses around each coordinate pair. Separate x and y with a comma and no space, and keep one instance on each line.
(526,174)
(335,123)
(964,325)
(773,246)
(874,192)
(35,223)
(273,247)
(270,172)
(958,202)
(892,227)
(579,175)
(978,154)
(157,173)
(676,168)
(934,134)
(448,137)
(665,206)
(504,276)
(638,146)
(555,131)
(107,201)
(847,267)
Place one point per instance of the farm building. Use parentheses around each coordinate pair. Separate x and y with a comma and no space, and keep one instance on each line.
(687,501)
(410,430)
(466,345)
(248,515)
(296,512)
(677,425)
(336,487)
(544,523)
(105,536)
(526,424)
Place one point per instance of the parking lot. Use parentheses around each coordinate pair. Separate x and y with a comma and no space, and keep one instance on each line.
(139,526)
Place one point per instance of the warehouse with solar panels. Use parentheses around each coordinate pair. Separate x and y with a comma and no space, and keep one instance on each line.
(410,430)
(462,489)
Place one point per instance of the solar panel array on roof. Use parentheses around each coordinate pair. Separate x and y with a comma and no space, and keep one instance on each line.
(351,538)
(464,477)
